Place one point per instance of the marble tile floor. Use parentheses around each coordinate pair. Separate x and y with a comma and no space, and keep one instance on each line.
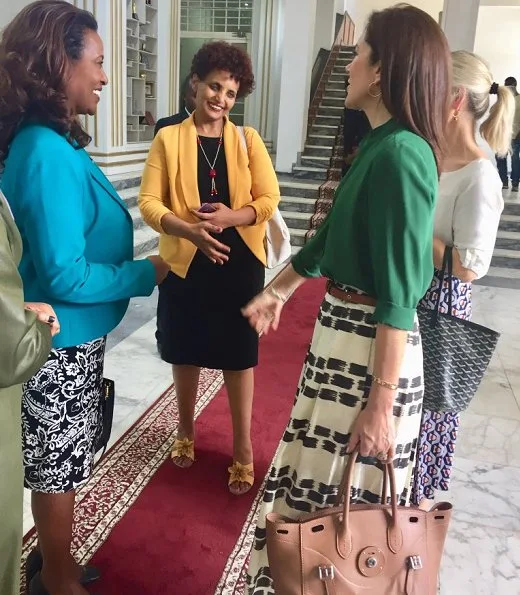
(482,555)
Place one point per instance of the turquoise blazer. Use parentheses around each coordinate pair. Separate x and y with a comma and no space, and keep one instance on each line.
(77,235)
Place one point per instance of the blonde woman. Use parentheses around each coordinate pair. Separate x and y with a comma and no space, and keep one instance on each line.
(467,216)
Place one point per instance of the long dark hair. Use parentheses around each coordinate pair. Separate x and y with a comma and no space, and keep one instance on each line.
(415,70)
(35,53)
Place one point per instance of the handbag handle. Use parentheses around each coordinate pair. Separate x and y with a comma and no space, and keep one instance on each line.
(447,267)
(344,535)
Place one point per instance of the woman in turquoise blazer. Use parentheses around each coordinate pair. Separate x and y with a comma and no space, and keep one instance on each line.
(77,256)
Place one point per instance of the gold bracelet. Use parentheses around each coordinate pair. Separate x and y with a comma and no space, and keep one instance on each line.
(276,294)
(384,383)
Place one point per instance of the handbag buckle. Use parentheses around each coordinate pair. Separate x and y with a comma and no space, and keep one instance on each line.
(326,573)
(415,562)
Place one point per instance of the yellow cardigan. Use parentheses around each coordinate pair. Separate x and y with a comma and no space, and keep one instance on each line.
(169,185)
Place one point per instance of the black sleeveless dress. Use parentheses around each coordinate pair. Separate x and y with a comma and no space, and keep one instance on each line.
(199,321)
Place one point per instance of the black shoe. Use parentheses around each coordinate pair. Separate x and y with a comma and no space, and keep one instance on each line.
(34,564)
(514,188)
(505,186)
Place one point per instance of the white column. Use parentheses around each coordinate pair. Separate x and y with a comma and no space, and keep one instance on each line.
(324,29)
(459,22)
(297,59)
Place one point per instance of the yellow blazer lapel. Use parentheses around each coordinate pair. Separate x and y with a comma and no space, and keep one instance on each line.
(187,163)
(236,160)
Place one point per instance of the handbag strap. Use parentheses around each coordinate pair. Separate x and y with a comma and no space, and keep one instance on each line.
(344,537)
(243,141)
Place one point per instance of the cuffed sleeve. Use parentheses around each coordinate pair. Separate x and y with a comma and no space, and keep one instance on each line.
(155,190)
(265,190)
(26,342)
(476,218)
(401,213)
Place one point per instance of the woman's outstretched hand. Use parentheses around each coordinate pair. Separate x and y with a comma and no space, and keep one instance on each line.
(263,312)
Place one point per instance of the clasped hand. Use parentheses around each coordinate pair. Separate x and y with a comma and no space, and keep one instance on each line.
(212,223)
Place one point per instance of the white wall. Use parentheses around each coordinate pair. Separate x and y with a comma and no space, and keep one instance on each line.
(498,40)
(324,29)
(360,10)
(9,9)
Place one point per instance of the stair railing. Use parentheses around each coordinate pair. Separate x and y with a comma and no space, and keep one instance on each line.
(345,36)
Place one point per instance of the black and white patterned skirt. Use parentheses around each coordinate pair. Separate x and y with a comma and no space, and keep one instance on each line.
(333,388)
(61,409)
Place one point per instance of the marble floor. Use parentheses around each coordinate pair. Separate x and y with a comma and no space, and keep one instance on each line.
(482,555)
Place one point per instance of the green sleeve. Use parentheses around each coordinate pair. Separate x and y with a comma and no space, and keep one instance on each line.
(402,192)
(308,260)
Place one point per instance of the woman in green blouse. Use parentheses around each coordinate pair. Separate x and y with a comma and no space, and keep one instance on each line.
(362,382)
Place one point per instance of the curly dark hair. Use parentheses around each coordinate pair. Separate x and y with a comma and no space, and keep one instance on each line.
(219,55)
(36,50)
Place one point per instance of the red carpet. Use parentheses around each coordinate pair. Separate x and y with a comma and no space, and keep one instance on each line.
(178,534)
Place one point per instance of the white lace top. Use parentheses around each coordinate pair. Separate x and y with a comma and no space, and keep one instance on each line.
(468,213)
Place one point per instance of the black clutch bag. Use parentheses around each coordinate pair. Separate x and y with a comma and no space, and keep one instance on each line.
(456,352)
(106,415)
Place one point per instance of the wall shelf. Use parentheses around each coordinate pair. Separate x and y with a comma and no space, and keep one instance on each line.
(141,69)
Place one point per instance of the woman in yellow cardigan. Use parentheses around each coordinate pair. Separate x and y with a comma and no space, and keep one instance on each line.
(210,200)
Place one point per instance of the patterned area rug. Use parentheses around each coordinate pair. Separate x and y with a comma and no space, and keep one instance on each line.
(154,529)
(125,471)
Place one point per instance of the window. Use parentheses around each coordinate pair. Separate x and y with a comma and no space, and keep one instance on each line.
(219,16)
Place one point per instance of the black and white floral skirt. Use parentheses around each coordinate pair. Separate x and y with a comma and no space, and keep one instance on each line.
(61,409)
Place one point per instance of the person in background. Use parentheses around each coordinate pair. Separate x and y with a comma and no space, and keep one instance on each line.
(355,127)
(467,218)
(24,348)
(210,198)
(361,388)
(189,105)
(511,84)
(78,256)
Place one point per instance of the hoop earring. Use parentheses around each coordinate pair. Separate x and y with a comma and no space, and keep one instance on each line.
(371,95)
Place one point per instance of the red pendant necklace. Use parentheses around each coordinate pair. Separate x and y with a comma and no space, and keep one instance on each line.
(212,170)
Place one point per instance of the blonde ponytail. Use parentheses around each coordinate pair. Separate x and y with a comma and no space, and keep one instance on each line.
(498,127)
(472,73)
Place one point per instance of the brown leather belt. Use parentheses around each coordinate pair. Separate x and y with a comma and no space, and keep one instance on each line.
(350,297)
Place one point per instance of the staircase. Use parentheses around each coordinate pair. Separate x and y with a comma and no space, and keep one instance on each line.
(319,162)
(505,265)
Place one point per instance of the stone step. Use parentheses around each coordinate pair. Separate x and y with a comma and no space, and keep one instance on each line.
(305,172)
(509,240)
(504,273)
(129,196)
(298,237)
(297,221)
(340,71)
(333,102)
(505,258)
(145,240)
(323,129)
(322,140)
(331,110)
(297,204)
(289,186)
(135,213)
(334,92)
(318,151)
(511,208)
(334,86)
(121,183)
(509,223)
(315,161)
